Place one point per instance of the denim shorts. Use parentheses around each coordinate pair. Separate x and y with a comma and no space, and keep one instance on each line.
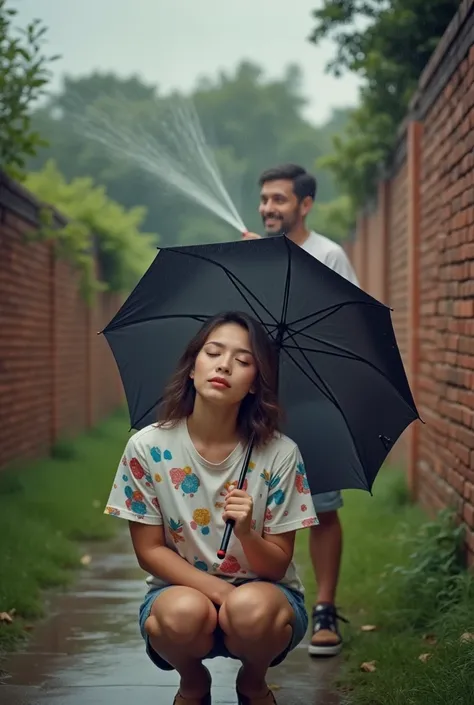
(300,626)
(327,502)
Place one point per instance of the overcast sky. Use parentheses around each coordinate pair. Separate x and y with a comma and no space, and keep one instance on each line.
(173,42)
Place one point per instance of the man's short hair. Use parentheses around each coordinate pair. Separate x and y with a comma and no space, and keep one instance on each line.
(304,184)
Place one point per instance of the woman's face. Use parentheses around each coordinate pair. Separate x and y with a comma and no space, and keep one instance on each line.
(225,369)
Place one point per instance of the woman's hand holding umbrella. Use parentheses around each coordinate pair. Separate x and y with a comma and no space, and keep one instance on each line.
(238,508)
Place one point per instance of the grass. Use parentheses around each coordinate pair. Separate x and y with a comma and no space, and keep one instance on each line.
(47,508)
(404,576)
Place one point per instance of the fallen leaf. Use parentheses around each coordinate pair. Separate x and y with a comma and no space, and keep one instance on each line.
(430,639)
(466,637)
(273,686)
(28,627)
(368,666)
(424,657)
(86,559)
(5,617)
(368,628)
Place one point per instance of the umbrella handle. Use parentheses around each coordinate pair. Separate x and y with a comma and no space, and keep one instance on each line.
(221,553)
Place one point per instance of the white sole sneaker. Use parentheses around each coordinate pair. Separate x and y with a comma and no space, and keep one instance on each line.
(325,650)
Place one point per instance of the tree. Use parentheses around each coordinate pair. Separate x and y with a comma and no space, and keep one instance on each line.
(23,75)
(387,43)
(95,222)
(334,219)
(250,121)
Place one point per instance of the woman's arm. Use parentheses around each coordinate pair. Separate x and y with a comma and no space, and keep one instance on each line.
(269,556)
(290,508)
(157,559)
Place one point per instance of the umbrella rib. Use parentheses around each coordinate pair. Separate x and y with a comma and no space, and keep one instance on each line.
(328,395)
(201,317)
(348,355)
(324,388)
(330,310)
(286,293)
(230,274)
(231,278)
(145,413)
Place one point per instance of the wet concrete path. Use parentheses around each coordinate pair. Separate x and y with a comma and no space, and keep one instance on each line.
(89,651)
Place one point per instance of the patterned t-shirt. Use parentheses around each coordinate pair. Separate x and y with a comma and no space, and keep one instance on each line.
(163,480)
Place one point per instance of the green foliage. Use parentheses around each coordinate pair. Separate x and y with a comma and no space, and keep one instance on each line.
(23,75)
(434,579)
(251,121)
(60,500)
(96,222)
(387,43)
(425,607)
(334,219)
(63,449)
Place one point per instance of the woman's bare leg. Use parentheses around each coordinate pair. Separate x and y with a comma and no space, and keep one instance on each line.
(181,626)
(257,622)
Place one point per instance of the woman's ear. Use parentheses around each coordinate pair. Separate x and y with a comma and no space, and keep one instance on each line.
(191,374)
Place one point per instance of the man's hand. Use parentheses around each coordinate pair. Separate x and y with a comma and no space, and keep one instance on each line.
(251,236)
(239,506)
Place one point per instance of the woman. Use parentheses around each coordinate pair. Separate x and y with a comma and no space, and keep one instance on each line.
(176,485)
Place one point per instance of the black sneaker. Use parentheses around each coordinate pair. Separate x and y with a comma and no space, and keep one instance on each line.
(326,639)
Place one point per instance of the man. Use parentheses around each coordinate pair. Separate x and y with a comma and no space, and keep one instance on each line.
(287,195)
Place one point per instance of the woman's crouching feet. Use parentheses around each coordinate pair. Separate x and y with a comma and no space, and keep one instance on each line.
(195,688)
(250,693)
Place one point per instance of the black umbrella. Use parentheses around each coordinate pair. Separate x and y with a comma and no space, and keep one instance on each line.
(342,382)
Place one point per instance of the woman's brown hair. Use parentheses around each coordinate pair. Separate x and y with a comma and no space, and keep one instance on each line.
(259,413)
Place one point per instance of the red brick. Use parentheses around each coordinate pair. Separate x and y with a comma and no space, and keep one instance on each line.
(444,273)
(49,384)
(470,540)
(468,515)
(469,492)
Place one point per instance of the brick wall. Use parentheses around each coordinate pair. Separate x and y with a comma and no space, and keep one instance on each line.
(424,228)
(57,377)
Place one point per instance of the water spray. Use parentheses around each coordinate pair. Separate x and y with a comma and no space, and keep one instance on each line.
(182,158)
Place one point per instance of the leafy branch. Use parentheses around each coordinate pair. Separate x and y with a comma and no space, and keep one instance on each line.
(387,43)
(97,227)
(24,74)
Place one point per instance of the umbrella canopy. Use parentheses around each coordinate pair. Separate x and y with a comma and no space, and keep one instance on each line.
(342,383)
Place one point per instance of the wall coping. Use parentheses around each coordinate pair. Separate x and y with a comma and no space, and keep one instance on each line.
(18,200)
(452,48)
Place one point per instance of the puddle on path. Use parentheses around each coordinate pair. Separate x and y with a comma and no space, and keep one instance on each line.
(89,651)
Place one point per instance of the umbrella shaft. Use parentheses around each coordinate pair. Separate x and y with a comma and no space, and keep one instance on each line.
(230,523)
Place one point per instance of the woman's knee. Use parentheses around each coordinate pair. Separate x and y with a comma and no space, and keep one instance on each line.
(180,615)
(255,610)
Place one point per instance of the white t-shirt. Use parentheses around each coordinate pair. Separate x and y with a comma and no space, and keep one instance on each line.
(331,254)
(163,480)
